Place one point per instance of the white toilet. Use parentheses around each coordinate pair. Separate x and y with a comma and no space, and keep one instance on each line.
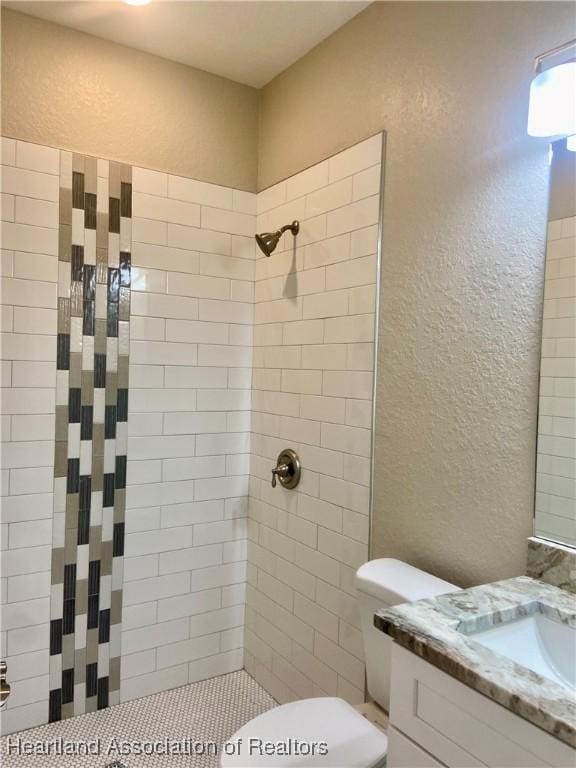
(352,741)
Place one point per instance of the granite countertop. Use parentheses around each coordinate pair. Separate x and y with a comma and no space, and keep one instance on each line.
(438,630)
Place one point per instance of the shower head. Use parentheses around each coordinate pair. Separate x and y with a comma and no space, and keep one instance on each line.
(267,241)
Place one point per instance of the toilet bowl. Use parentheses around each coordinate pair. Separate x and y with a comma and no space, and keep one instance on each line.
(316,732)
(329,731)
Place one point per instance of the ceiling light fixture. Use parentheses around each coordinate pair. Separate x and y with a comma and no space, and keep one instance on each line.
(136,2)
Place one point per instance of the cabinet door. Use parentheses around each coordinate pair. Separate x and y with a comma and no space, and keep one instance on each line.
(403,753)
(461,727)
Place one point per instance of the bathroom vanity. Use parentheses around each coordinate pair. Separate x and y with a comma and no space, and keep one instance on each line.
(484,677)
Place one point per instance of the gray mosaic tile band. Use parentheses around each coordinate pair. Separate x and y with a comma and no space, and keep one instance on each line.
(94,263)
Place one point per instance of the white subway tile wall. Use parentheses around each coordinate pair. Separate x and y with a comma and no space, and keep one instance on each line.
(188,432)
(233,356)
(556,460)
(313,363)
(29,291)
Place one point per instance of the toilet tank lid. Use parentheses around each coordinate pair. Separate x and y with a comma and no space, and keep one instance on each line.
(394,582)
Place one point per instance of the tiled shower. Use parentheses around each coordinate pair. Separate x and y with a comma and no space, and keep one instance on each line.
(154,364)
(312,387)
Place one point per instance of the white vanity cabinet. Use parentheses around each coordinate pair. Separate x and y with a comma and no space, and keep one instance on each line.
(435,720)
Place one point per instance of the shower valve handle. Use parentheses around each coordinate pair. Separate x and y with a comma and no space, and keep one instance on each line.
(281,470)
(287,470)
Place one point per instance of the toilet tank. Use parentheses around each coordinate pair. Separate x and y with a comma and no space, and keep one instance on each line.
(381,584)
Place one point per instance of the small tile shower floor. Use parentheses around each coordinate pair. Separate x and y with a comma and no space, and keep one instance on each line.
(205,712)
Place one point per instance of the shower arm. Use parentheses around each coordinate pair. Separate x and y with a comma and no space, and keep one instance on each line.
(294,228)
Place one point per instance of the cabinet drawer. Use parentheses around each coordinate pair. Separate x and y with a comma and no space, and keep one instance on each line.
(460,726)
(403,753)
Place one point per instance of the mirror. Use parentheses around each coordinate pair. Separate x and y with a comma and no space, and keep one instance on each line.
(555,507)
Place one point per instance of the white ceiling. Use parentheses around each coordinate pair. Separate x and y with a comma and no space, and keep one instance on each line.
(250,42)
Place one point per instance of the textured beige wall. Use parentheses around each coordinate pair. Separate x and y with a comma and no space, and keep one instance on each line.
(67,89)
(462,267)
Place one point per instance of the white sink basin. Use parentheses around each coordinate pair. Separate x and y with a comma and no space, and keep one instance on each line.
(540,643)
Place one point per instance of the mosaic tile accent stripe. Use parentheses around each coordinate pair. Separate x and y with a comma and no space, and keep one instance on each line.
(94,264)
